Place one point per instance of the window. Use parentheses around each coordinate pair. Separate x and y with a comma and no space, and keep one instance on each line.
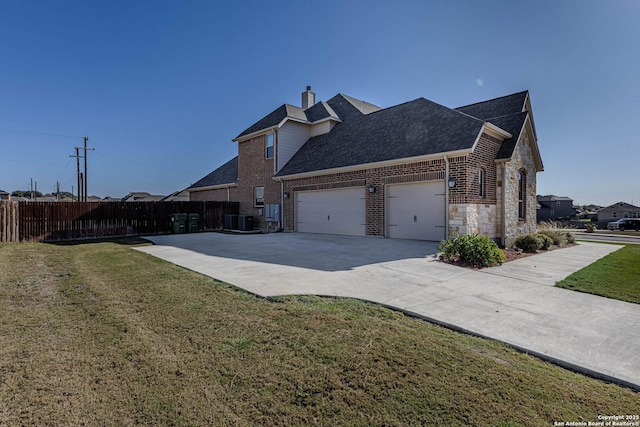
(615,214)
(481,184)
(522,194)
(268,139)
(558,204)
(258,197)
(552,213)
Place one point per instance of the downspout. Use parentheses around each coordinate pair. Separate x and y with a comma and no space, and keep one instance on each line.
(446,198)
(504,204)
(228,193)
(281,223)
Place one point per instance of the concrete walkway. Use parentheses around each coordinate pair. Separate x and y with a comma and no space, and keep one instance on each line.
(515,303)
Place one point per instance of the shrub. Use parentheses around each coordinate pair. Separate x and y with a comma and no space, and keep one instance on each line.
(559,236)
(556,231)
(546,241)
(476,250)
(528,243)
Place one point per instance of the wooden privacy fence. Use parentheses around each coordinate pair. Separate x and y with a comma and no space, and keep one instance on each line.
(9,221)
(55,221)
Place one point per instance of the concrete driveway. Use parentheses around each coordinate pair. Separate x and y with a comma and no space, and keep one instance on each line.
(515,303)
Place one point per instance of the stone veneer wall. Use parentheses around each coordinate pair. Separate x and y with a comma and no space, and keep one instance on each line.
(473,218)
(522,159)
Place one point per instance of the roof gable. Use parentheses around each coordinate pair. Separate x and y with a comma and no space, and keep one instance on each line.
(340,107)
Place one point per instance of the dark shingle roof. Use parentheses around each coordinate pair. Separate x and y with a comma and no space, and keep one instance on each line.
(271,119)
(417,128)
(225,174)
(320,111)
(512,124)
(498,107)
(340,107)
(347,107)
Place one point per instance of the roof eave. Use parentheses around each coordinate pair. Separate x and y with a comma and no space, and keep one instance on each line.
(212,187)
(373,165)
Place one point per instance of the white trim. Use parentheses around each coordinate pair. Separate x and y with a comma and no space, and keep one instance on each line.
(491,130)
(212,187)
(374,165)
(279,125)
(256,133)
(494,130)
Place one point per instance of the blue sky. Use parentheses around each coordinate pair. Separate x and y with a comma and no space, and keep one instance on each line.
(162,87)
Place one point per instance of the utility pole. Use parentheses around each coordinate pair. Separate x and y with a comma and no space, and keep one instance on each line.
(86,173)
(77,156)
(83,190)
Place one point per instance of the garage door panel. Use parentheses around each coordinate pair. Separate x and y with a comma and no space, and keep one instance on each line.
(339,211)
(416,211)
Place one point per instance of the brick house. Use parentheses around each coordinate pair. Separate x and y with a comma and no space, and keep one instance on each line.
(417,170)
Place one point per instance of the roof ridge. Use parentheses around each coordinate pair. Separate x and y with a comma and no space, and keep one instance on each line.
(492,99)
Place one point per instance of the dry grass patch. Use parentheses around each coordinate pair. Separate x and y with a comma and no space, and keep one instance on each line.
(99,334)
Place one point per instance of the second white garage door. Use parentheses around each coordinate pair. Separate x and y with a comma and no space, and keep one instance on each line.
(340,211)
(416,211)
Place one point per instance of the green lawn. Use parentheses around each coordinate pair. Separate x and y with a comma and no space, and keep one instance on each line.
(617,275)
(100,334)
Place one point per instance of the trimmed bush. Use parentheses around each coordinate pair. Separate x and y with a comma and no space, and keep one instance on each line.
(477,250)
(546,241)
(528,243)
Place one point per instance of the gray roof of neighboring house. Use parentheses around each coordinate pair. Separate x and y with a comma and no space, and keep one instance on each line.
(225,174)
(416,128)
(621,205)
(551,198)
(340,107)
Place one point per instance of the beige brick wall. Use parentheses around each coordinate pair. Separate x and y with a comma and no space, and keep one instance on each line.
(217,195)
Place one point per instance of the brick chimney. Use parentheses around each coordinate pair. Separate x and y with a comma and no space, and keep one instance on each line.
(308,98)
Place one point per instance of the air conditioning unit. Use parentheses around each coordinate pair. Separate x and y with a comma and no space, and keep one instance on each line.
(245,222)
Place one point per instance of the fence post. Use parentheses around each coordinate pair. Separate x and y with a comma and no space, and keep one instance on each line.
(9,221)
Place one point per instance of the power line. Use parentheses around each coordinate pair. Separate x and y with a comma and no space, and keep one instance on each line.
(41,133)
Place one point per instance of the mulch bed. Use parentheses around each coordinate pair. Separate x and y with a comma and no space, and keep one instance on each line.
(509,254)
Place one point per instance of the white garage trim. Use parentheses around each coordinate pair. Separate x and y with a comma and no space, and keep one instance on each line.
(415,210)
(335,211)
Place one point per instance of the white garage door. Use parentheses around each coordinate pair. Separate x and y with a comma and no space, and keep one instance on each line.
(416,211)
(331,211)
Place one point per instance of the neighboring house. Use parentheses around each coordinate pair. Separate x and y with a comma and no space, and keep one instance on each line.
(417,170)
(142,197)
(4,195)
(617,211)
(555,208)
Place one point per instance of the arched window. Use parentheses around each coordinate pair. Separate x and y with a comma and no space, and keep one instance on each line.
(482,189)
(522,194)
